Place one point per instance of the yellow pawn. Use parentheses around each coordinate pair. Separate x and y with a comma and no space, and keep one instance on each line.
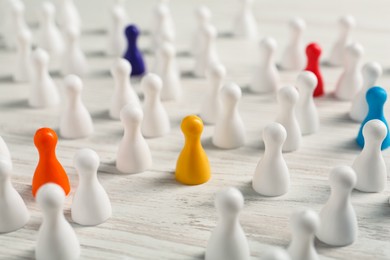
(192,166)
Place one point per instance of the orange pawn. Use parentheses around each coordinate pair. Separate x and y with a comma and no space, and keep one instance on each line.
(49,168)
(192,166)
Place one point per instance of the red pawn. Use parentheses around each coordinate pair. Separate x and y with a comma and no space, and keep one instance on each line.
(313,52)
(49,168)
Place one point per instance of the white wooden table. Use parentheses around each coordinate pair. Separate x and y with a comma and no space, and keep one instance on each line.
(154,217)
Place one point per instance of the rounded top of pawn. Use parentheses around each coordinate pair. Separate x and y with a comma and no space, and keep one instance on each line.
(376,95)
(40,56)
(5,167)
(121,66)
(276,254)
(268,44)
(48,8)
(275,133)
(86,161)
(288,95)
(192,125)
(203,13)
(342,177)
(306,221)
(131,31)
(168,49)
(372,69)
(375,129)
(50,196)
(355,50)
(307,80)
(229,200)
(45,138)
(297,23)
(162,10)
(17,7)
(313,49)
(131,114)
(151,82)
(211,31)
(217,70)
(73,83)
(347,21)
(24,36)
(72,32)
(231,92)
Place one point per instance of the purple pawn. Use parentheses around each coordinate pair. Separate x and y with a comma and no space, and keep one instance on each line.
(132,54)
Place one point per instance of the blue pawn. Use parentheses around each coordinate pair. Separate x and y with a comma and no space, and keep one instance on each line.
(132,54)
(376,98)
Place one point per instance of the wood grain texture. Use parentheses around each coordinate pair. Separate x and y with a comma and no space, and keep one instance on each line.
(154,217)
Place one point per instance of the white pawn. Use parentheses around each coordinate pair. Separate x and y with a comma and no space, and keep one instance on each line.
(74,61)
(4,151)
(276,254)
(116,45)
(229,132)
(91,204)
(161,55)
(350,81)
(123,92)
(170,74)
(272,177)
(306,111)
(304,225)
(266,76)
(212,103)
(228,240)
(339,225)
(23,68)
(50,38)
(287,99)
(68,16)
(43,90)
(76,122)
(156,121)
(370,167)
(371,72)
(294,57)
(16,22)
(13,214)
(133,154)
(56,237)
(337,53)
(245,25)
(203,17)
(163,24)
(208,54)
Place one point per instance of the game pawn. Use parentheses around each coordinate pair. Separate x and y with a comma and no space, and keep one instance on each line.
(133,54)
(313,53)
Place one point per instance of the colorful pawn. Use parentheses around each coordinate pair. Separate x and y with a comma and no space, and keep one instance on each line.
(376,98)
(192,166)
(132,54)
(313,53)
(49,168)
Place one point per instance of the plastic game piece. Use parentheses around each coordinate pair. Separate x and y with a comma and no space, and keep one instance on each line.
(56,237)
(266,76)
(4,151)
(245,25)
(170,73)
(49,169)
(14,213)
(116,44)
(91,204)
(287,99)
(192,167)
(337,53)
(351,80)
(156,121)
(313,52)
(203,18)
(371,72)
(376,98)
(73,59)
(293,57)
(370,167)
(163,25)
(208,54)
(212,103)
(23,70)
(228,240)
(124,93)
(339,225)
(304,225)
(68,15)
(76,122)
(43,91)
(276,254)
(306,110)
(272,177)
(133,54)
(229,131)
(133,154)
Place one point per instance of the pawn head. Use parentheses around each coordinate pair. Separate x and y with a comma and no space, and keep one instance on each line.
(354,50)
(372,70)
(24,37)
(347,21)
(211,32)
(229,201)
(72,33)
(73,84)
(231,93)
(40,56)
(151,83)
(313,50)
(48,9)
(342,177)
(168,49)
(217,70)
(376,95)
(121,67)
(50,197)
(5,167)
(297,24)
(86,160)
(268,44)
(275,133)
(192,125)
(131,31)
(307,80)
(45,139)
(305,221)
(203,13)
(288,95)
(375,130)
(276,254)
(131,114)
